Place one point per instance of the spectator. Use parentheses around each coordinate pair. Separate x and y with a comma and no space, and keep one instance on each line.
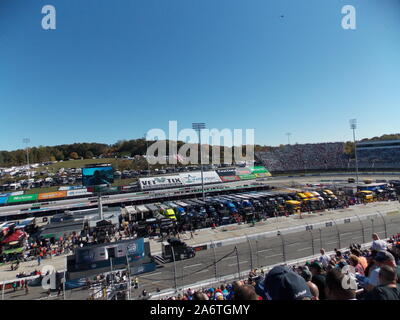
(355,263)
(318,278)
(200,296)
(324,258)
(377,244)
(281,283)
(307,276)
(235,287)
(388,288)
(246,292)
(362,260)
(334,289)
(381,258)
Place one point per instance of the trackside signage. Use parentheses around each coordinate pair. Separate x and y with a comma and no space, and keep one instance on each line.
(226,172)
(21,198)
(195,177)
(79,192)
(160,182)
(52,195)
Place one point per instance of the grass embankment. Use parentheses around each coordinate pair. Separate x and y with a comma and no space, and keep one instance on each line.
(77,164)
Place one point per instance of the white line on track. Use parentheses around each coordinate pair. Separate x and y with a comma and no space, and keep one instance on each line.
(206,270)
(265,250)
(193,265)
(302,249)
(274,255)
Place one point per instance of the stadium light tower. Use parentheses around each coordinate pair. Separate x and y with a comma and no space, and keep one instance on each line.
(288,137)
(147,160)
(353,126)
(27,141)
(198,127)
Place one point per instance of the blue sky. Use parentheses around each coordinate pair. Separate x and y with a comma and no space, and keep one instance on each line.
(113,70)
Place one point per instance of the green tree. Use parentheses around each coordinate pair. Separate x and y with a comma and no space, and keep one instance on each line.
(74,155)
(89,154)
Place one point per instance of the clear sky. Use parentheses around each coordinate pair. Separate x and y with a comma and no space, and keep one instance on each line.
(113,70)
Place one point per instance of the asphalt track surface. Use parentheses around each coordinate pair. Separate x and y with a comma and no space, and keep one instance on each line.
(252,254)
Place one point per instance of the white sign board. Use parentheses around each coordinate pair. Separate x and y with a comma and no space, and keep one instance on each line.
(160,182)
(191,178)
(78,192)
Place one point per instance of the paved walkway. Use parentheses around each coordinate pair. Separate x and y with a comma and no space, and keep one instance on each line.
(204,236)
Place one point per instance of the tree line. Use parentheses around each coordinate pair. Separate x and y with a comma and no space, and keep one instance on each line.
(121,148)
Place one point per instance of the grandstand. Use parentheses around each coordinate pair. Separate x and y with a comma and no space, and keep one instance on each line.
(383,154)
(303,157)
(372,155)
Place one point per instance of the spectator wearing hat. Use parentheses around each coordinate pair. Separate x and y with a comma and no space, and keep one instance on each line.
(334,289)
(318,278)
(388,288)
(307,276)
(378,244)
(281,283)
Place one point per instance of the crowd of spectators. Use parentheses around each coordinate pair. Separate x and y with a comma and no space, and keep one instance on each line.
(356,274)
(301,157)
(379,158)
(326,156)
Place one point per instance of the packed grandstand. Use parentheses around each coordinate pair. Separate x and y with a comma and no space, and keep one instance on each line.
(331,156)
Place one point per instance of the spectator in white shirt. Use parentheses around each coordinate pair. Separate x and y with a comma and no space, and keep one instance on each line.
(324,258)
(378,244)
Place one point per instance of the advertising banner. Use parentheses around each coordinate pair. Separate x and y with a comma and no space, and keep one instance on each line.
(15,193)
(195,177)
(257,169)
(67,188)
(242,171)
(226,172)
(21,198)
(160,182)
(262,175)
(52,195)
(3,200)
(79,192)
(247,176)
(229,178)
(260,170)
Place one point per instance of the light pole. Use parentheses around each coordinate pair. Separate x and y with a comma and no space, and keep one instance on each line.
(198,127)
(288,137)
(26,141)
(353,126)
(147,160)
